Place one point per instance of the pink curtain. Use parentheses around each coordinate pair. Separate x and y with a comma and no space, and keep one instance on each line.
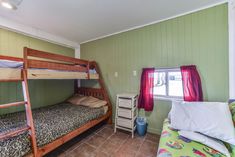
(146,89)
(192,86)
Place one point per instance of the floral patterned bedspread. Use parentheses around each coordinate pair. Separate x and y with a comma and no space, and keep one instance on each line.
(173,145)
(51,122)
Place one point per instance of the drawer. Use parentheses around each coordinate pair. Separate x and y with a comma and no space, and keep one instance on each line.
(124,113)
(124,103)
(124,122)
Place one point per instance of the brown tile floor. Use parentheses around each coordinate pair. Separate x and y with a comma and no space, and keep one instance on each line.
(103,142)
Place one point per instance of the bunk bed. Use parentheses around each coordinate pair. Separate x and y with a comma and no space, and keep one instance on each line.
(51,126)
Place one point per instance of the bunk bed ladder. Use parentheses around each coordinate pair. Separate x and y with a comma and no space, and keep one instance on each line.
(29,118)
(29,115)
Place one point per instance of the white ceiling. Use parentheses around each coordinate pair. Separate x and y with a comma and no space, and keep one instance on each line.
(83,20)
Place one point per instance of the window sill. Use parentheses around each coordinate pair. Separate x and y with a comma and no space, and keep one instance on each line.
(168,98)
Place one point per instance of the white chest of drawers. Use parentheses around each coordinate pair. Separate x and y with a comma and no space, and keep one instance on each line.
(126,112)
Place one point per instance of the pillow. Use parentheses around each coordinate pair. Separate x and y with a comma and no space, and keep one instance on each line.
(232,147)
(232,109)
(106,108)
(209,118)
(93,102)
(213,143)
(98,104)
(169,116)
(76,99)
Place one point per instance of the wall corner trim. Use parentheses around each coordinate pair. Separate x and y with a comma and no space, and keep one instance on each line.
(36,33)
(231,19)
(77,52)
(78,55)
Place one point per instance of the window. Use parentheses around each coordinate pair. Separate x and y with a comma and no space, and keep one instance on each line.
(168,83)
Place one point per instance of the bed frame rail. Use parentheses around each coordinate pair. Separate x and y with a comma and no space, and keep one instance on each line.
(54,66)
(95,92)
(57,57)
(56,61)
(51,146)
(11,58)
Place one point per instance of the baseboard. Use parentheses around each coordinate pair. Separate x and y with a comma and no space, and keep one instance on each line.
(154,131)
(150,130)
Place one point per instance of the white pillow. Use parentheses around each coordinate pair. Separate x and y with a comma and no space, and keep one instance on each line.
(209,118)
(213,143)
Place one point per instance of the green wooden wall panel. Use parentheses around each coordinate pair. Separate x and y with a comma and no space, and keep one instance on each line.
(42,92)
(199,38)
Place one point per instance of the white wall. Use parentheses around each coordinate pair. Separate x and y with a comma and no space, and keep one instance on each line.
(232,49)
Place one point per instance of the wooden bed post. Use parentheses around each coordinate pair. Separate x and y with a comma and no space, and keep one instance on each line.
(104,90)
(28,109)
(88,70)
(98,91)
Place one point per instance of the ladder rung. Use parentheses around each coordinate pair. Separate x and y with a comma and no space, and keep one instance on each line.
(13,133)
(13,104)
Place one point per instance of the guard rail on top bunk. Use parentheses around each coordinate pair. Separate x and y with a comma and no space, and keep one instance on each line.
(44,65)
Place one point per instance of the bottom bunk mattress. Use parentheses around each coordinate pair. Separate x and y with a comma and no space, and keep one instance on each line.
(173,145)
(50,123)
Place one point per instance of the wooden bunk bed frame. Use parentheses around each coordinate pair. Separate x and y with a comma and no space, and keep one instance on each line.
(69,65)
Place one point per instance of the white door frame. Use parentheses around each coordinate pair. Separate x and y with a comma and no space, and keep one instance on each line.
(231,19)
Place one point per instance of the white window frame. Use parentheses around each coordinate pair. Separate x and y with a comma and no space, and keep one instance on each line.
(167,97)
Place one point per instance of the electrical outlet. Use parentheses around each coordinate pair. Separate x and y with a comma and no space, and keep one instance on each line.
(116,74)
(134,73)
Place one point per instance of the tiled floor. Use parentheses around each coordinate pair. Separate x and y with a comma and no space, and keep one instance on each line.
(103,142)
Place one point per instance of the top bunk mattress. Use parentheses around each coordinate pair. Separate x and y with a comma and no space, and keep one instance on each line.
(10,64)
(50,123)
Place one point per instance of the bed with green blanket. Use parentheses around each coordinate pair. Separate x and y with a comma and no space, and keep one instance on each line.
(173,145)
(50,123)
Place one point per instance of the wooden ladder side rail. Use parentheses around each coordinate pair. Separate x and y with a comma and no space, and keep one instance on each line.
(93,64)
(29,115)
